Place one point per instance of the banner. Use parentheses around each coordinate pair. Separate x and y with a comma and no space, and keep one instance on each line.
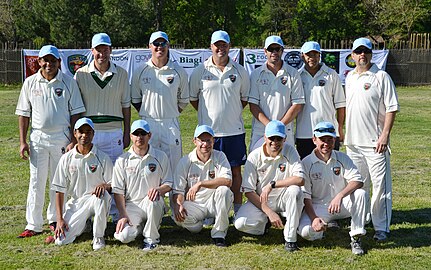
(129,59)
(339,60)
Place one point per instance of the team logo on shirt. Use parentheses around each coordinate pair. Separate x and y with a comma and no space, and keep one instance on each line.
(37,92)
(58,91)
(367,86)
(284,80)
(322,82)
(263,81)
(207,77)
(316,176)
(232,77)
(152,167)
(282,167)
(170,79)
(211,174)
(93,168)
(146,80)
(336,170)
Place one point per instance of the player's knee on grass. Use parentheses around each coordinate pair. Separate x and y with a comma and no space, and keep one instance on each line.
(309,234)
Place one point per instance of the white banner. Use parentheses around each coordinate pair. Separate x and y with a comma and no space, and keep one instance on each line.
(339,60)
(129,59)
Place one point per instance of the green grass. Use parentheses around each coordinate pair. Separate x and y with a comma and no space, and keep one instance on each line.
(408,247)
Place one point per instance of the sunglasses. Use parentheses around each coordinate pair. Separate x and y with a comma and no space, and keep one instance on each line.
(140,133)
(274,49)
(160,43)
(276,139)
(330,130)
(362,50)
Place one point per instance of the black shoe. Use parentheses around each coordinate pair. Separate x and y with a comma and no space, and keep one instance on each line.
(267,227)
(291,246)
(220,242)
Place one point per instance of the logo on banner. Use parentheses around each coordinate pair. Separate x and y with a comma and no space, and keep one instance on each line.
(189,60)
(31,64)
(350,62)
(58,92)
(332,60)
(293,58)
(232,78)
(76,61)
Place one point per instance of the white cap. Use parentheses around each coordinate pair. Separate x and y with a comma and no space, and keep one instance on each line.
(362,42)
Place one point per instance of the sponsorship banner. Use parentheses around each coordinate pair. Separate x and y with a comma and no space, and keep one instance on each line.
(339,60)
(129,59)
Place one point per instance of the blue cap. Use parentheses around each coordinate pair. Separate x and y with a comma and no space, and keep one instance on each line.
(310,46)
(100,39)
(49,49)
(362,42)
(203,129)
(273,40)
(324,129)
(158,34)
(275,128)
(140,124)
(84,121)
(220,35)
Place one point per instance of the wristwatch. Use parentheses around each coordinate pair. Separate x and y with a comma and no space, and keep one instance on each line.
(272,183)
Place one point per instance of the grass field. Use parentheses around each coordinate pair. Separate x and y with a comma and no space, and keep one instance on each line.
(408,247)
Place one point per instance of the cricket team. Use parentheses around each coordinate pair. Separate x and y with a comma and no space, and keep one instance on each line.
(80,126)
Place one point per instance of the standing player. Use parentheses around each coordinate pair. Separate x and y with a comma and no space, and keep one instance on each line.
(160,92)
(324,96)
(201,187)
(276,93)
(106,92)
(218,91)
(272,179)
(141,178)
(332,189)
(371,105)
(52,101)
(84,174)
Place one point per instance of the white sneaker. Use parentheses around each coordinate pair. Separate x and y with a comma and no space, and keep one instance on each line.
(98,243)
(357,247)
(148,246)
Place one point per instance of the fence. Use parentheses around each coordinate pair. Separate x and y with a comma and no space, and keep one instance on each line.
(406,66)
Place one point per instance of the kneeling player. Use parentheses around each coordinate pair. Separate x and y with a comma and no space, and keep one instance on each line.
(201,187)
(84,174)
(142,176)
(332,189)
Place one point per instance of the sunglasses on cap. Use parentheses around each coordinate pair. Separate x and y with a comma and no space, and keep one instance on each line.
(274,49)
(160,43)
(362,50)
(140,132)
(321,130)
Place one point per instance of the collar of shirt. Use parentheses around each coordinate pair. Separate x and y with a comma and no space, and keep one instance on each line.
(323,69)
(57,77)
(194,157)
(76,154)
(210,64)
(264,158)
(169,65)
(315,159)
(282,71)
(373,69)
(133,155)
(111,70)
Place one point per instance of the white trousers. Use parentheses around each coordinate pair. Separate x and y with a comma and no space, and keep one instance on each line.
(353,206)
(257,140)
(45,152)
(77,212)
(110,142)
(217,206)
(166,136)
(148,213)
(252,220)
(375,169)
